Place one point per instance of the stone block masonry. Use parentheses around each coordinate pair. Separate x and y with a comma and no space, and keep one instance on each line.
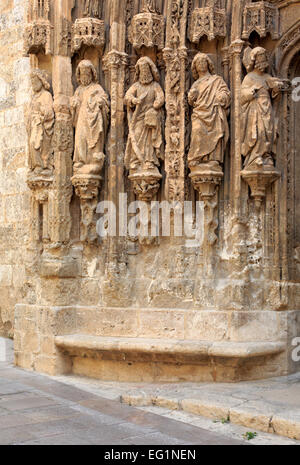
(14,193)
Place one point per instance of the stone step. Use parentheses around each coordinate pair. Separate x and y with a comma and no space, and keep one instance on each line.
(75,344)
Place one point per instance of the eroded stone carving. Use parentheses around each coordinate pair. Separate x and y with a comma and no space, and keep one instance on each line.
(209,21)
(90,114)
(89,32)
(175,57)
(210,99)
(259,123)
(92,8)
(38,31)
(40,125)
(262,17)
(144,101)
(147,29)
(90,111)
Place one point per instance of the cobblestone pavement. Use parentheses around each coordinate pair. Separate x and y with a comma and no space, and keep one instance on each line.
(35,409)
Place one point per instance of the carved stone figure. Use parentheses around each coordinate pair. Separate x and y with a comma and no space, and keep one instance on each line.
(144,101)
(90,113)
(210,98)
(92,8)
(259,128)
(40,125)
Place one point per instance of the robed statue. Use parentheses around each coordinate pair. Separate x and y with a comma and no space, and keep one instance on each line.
(210,99)
(40,125)
(259,122)
(92,8)
(90,113)
(145,100)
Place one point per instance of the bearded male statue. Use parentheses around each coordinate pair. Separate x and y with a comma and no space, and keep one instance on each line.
(145,100)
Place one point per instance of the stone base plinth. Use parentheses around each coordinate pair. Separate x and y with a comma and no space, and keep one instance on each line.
(184,345)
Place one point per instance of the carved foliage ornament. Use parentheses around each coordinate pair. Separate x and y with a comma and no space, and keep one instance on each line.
(262,17)
(38,31)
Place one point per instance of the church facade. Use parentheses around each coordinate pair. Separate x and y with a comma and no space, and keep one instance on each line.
(150,226)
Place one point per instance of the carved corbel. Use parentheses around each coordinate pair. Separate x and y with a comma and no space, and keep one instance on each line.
(259,181)
(38,34)
(207,182)
(262,17)
(146,184)
(87,189)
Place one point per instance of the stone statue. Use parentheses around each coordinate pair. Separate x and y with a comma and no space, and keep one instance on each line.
(92,8)
(210,98)
(259,128)
(90,113)
(40,125)
(144,101)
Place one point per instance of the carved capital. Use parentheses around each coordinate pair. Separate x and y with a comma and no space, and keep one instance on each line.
(236,47)
(40,186)
(114,59)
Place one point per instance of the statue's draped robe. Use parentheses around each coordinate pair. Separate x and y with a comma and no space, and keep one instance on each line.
(210,130)
(40,128)
(91,122)
(92,8)
(145,143)
(259,133)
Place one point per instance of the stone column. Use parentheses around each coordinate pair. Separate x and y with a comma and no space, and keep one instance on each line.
(115,287)
(56,260)
(175,56)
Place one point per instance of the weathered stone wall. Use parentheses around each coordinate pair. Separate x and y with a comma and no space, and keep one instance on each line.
(14,198)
